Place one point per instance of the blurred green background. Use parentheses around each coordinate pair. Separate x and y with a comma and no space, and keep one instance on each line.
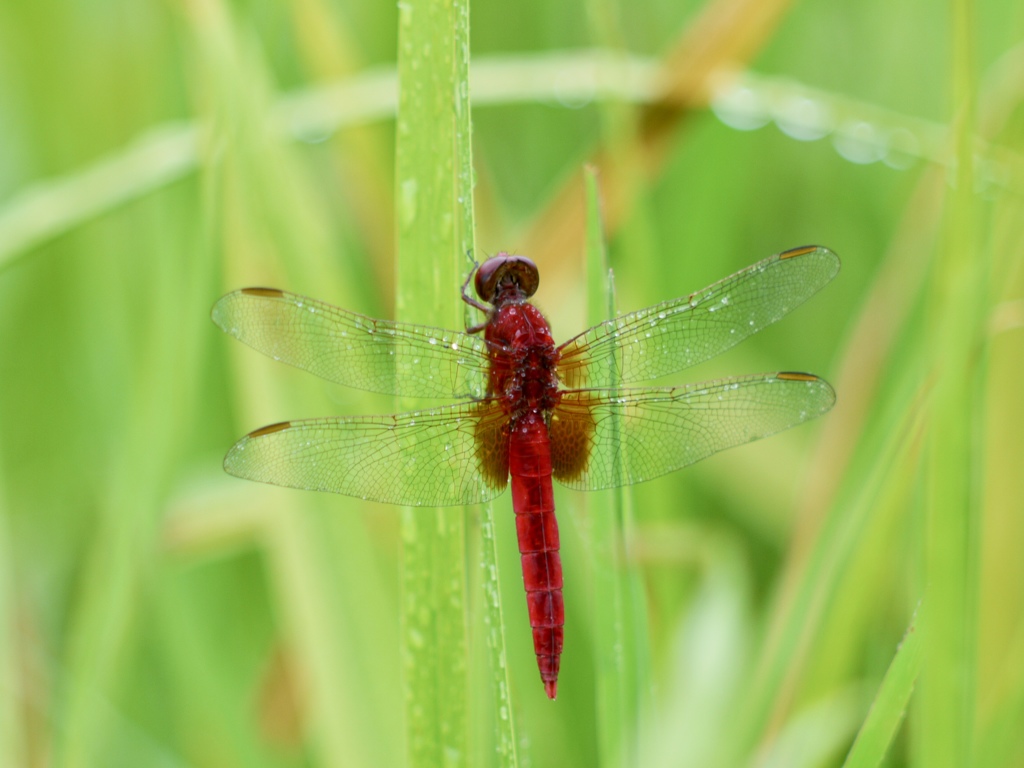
(154,155)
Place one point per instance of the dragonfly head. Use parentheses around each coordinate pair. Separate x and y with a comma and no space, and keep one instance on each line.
(505,277)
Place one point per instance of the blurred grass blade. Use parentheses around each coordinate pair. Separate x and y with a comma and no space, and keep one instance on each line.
(12,695)
(722,35)
(959,305)
(817,733)
(619,610)
(1000,742)
(170,151)
(889,706)
(434,215)
(120,558)
(52,207)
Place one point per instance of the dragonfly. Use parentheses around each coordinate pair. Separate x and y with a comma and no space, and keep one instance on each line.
(529,410)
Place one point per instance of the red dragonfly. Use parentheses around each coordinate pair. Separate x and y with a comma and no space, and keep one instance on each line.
(531,410)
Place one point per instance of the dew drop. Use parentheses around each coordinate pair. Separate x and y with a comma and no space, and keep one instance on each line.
(859,142)
(407,202)
(740,107)
(804,119)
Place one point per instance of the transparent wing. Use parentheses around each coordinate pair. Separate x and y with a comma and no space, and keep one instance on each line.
(677,334)
(354,350)
(604,439)
(437,457)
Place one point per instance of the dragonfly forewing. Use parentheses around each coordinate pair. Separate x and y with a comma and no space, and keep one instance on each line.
(680,333)
(355,350)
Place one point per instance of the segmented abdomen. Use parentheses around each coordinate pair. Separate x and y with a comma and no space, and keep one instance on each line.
(537,529)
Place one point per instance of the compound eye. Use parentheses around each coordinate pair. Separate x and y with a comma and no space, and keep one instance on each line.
(504,270)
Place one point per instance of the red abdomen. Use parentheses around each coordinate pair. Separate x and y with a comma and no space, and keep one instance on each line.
(534,505)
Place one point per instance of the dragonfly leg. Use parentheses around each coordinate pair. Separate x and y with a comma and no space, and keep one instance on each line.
(474,303)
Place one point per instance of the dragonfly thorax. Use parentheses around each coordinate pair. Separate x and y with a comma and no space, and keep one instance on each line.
(523,358)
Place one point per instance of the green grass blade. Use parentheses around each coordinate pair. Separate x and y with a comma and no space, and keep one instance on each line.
(505,726)
(434,214)
(889,706)
(505,741)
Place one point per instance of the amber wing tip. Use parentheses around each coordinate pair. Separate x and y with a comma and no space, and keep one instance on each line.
(551,688)
(803,250)
(265,293)
(269,429)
